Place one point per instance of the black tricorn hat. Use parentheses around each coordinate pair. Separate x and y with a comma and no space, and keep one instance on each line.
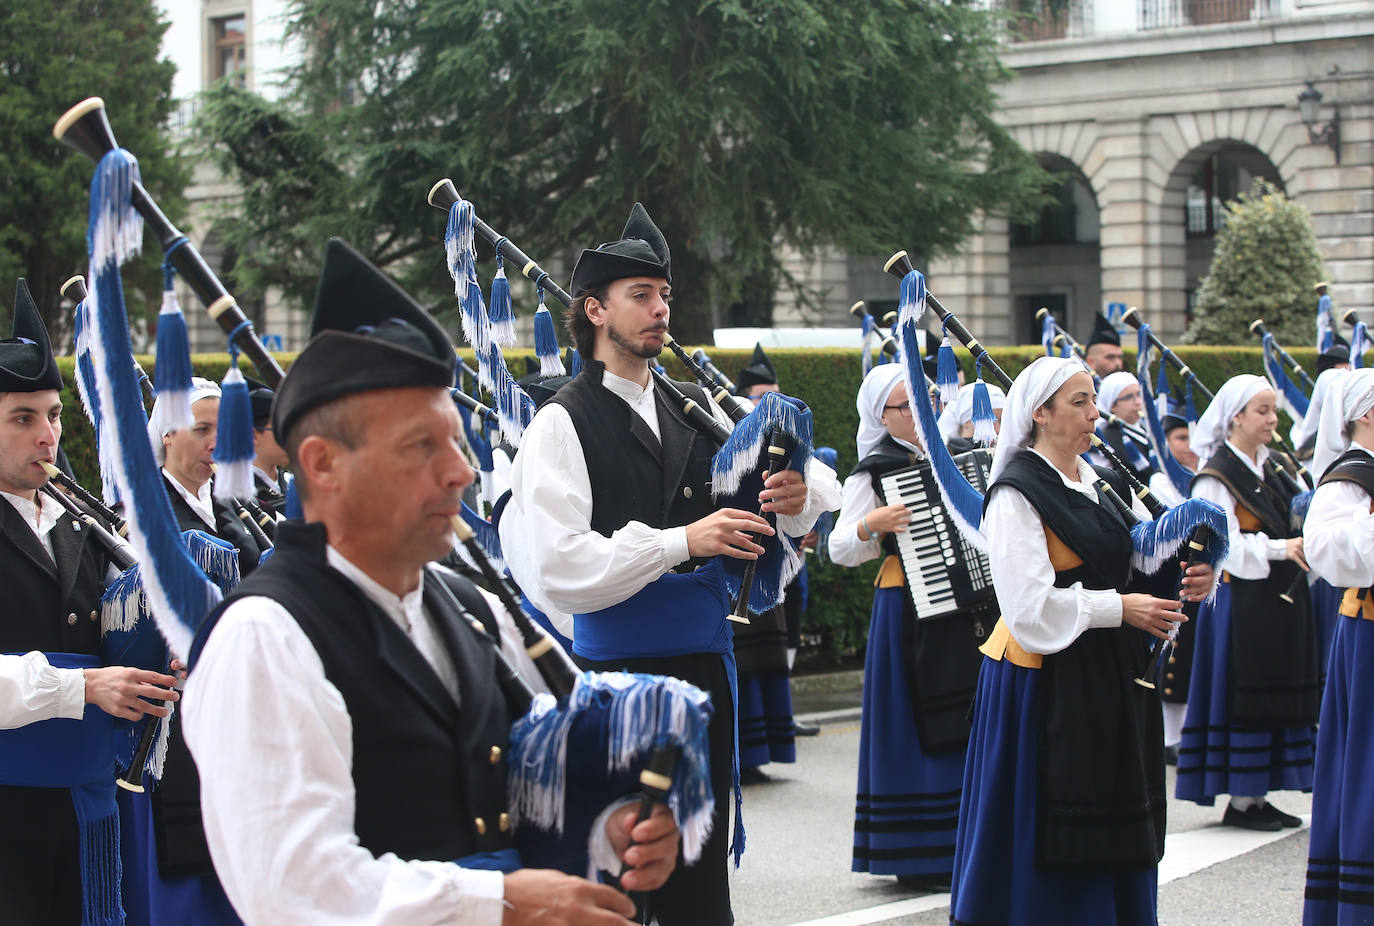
(26,360)
(367,334)
(1103,332)
(759,372)
(642,251)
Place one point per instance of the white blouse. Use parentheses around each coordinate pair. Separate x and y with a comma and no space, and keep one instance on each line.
(1338,535)
(1250,554)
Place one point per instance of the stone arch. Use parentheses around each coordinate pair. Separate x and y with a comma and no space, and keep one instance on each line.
(1191,208)
(1056,261)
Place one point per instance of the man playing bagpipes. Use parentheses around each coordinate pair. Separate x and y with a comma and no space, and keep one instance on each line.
(350,725)
(612,488)
(59,855)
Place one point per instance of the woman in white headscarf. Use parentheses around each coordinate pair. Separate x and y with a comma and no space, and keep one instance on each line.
(1062,737)
(1252,698)
(1339,540)
(1120,402)
(918,675)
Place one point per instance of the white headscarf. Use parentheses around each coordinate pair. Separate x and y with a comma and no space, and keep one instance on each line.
(1305,429)
(1348,398)
(1215,423)
(1031,389)
(873,395)
(1113,384)
(201,388)
(960,413)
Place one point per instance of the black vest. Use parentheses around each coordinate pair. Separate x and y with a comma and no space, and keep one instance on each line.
(1101,801)
(1115,435)
(1275,679)
(634,476)
(228,526)
(53,607)
(1355,465)
(268,493)
(429,774)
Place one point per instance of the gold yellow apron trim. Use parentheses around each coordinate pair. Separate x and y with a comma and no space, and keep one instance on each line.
(890,573)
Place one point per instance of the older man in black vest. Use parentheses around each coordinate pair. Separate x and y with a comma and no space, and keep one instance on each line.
(611,511)
(56,754)
(347,719)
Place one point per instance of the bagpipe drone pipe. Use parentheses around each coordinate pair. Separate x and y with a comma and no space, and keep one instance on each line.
(1154,541)
(739,467)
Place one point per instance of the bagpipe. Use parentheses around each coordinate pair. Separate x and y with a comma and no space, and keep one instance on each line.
(1154,541)
(779,426)
(871,328)
(1055,336)
(1132,317)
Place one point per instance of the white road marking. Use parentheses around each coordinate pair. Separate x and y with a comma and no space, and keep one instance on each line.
(1185,854)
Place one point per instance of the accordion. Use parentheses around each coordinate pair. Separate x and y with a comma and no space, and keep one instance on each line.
(944,572)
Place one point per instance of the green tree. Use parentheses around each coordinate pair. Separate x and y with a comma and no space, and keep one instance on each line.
(741,124)
(1264,266)
(53,54)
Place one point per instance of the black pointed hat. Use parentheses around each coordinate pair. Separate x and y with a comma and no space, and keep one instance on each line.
(759,372)
(642,251)
(367,334)
(1103,332)
(1335,355)
(26,360)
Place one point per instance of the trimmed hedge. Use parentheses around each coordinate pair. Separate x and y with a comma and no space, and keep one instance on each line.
(827,379)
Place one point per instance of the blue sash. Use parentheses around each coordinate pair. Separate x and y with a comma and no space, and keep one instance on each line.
(76,754)
(675,615)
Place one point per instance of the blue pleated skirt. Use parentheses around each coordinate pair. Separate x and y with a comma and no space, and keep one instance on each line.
(907,802)
(766,733)
(1340,864)
(1326,610)
(995,877)
(1217,758)
(149,898)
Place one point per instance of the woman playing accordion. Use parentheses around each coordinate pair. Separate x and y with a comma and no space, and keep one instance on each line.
(1062,819)
(1339,540)
(1254,691)
(918,674)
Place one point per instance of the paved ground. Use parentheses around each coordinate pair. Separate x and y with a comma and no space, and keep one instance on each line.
(796,870)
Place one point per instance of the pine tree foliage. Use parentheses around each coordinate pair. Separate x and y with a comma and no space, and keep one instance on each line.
(741,124)
(53,54)
(1265,265)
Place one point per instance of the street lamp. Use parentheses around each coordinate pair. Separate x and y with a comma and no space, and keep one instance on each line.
(1309,106)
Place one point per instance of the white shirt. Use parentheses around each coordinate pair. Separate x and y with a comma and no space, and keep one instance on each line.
(31,689)
(1043,619)
(553,553)
(1338,535)
(1250,554)
(1163,489)
(200,502)
(273,739)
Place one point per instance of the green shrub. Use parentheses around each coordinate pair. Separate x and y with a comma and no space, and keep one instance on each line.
(827,379)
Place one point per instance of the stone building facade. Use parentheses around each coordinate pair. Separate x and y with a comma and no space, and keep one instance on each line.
(1156,112)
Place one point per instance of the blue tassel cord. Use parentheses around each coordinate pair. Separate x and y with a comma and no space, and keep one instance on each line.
(637,712)
(178,592)
(234,432)
(866,342)
(984,419)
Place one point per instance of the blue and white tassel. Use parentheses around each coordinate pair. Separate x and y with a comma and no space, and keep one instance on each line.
(947,372)
(172,375)
(546,341)
(502,312)
(1291,398)
(1156,542)
(1326,335)
(1178,474)
(234,450)
(984,420)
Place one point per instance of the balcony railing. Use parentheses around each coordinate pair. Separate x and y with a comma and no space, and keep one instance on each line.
(1042,20)
(1168,14)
